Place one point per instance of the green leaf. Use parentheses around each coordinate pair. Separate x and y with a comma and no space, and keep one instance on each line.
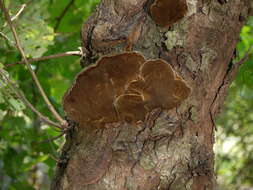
(16,104)
(1,97)
(2,113)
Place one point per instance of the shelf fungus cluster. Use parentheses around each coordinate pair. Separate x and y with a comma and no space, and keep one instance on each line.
(123,87)
(167,12)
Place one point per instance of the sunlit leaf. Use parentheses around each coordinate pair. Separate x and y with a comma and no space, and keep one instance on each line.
(16,104)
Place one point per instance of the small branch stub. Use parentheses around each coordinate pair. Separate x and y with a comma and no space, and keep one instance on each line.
(59,55)
(123,87)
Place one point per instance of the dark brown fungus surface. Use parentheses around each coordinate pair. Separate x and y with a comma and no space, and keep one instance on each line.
(167,12)
(131,108)
(123,87)
(90,100)
(157,87)
(164,88)
(135,87)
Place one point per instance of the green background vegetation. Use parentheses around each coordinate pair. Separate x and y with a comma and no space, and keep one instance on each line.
(27,163)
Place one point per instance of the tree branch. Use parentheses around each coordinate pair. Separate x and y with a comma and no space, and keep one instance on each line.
(19,47)
(19,12)
(21,96)
(69,53)
(59,18)
(52,139)
(235,67)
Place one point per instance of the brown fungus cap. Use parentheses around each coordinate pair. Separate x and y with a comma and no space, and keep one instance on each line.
(130,108)
(123,87)
(90,100)
(167,12)
(164,88)
(157,87)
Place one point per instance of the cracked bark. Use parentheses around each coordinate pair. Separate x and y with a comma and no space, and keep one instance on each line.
(171,149)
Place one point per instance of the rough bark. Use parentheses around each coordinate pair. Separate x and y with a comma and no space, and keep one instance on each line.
(172,149)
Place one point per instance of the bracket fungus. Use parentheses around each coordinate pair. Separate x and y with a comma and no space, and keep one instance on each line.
(123,87)
(90,100)
(157,86)
(167,12)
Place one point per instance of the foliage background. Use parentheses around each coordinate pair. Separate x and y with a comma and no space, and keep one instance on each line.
(47,27)
(25,163)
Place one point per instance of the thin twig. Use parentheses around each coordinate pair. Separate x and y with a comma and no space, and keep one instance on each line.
(246,56)
(21,96)
(18,13)
(59,18)
(235,67)
(19,47)
(52,139)
(69,53)
(55,159)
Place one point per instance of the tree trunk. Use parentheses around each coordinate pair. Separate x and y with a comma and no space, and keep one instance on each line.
(172,149)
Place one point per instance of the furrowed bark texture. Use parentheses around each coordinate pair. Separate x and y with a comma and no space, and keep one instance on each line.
(171,150)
